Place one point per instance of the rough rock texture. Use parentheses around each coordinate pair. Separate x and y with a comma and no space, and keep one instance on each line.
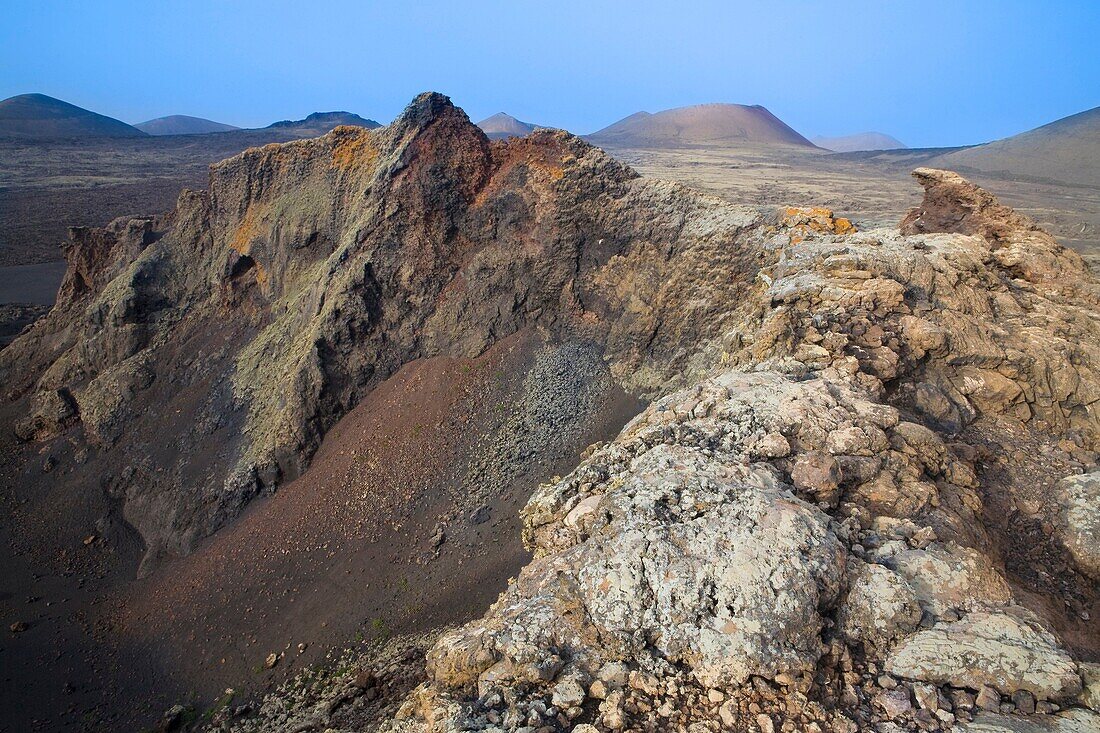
(1003,650)
(1071,721)
(881,606)
(731,598)
(1079,520)
(838,513)
(831,530)
(947,328)
(234,332)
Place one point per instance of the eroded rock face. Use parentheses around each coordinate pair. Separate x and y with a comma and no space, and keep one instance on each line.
(234,332)
(853,405)
(881,606)
(721,558)
(1079,520)
(1007,651)
(1071,721)
(814,522)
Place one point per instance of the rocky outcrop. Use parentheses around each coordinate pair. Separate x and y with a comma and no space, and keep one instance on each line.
(1071,721)
(838,513)
(235,331)
(812,536)
(1078,521)
(1006,651)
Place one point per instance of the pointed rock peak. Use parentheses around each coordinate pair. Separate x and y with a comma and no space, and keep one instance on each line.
(427,108)
(955,205)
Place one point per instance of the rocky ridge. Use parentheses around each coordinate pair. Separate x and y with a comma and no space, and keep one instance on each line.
(841,512)
(874,513)
(209,350)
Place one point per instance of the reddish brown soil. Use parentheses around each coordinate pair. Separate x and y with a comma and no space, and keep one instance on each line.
(344,552)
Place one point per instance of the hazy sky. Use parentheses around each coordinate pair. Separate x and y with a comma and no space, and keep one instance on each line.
(930,73)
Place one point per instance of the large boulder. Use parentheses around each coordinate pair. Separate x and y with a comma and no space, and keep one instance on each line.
(1071,721)
(1078,526)
(716,567)
(1005,650)
(881,606)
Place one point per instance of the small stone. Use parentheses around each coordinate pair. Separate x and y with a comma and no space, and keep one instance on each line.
(173,717)
(302,648)
(19,627)
(1024,701)
(89,539)
(886,682)
(765,724)
(611,710)
(850,441)
(568,693)
(926,695)
(1029,507)
(728,714)
(613,674)
(894,703)
(364,678)
(772,445)
(1078,526)
(925,720)
(647,683)
(271,661)
(962,699)
(598,690)
(1045,708)
(716,696)
(988,699)
(1090,693)
(922,538)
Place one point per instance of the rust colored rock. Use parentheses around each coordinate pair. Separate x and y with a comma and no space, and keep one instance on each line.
(818,474)
(954,204)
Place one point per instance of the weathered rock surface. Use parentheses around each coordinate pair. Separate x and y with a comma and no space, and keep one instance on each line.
(235,331)
(839,512)
(1071,721)
(880,607)
(803,539)
(1079,520)
(1001,649)
(852,403)
(722,559)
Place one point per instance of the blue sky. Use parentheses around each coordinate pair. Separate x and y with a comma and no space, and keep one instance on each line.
(930,73)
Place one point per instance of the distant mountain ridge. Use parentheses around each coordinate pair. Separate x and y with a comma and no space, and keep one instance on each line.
(1065,150)
(503,125)
(322,122)
(182,125)
(40,117)
(700,125)
(859,141)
